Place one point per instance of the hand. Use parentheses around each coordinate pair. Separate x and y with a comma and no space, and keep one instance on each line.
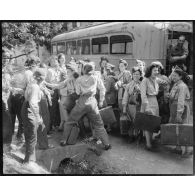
(39,120)
(173,59)
(149,111)
(167,95)
(116,86)
(119,83)
(51,92)
(184,68)
(100,104)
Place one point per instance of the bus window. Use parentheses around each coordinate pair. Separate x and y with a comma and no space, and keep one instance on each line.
(61,47)
(100,45)
(129,47)
(121,44)
(79,47)
(86,46)
(71,47)
(54,49)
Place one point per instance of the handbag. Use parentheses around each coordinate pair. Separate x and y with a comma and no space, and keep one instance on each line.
(133,99)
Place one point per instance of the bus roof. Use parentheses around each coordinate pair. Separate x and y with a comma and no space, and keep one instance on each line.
(117,26)
(175,26)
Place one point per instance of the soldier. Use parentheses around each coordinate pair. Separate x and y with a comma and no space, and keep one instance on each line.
(178,54)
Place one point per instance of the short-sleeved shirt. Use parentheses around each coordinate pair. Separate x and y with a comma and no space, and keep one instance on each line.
(176,50)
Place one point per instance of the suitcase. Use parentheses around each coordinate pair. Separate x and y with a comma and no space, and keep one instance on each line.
(177,134)
(107,115)
(125,125)
(73,135)
(147,122)
(116,125)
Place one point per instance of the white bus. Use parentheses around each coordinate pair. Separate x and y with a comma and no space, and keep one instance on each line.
(147,41)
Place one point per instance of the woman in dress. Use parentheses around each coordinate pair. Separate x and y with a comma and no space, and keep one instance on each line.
(149,90)
(62,66)
(123,77)
(179,102)
(132,98)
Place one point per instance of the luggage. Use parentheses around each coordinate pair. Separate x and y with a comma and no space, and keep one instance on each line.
(147,122)
(73,134)
(125,125)
(107,115)
(116,125)
(177,134)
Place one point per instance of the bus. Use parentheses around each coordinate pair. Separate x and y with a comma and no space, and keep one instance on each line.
(146,41)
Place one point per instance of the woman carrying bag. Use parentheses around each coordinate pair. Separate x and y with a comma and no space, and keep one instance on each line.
(132,99)
(179,102)
(124,77)
(149,90)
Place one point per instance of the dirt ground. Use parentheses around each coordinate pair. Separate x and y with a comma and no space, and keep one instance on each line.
(131,158)
(123,158)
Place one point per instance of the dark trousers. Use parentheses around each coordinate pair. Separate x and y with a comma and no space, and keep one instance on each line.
(16,102)
(42,139)
(54,110)
(30,132)
(87,105)
(7,123)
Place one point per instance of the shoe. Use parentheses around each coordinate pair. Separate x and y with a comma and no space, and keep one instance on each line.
(107,147)
(50,146)
(178,151)
(46,148)
(60,130)
(63,143)
(49,136)
(150,149)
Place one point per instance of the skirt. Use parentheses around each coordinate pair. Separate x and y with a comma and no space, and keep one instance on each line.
(152,105)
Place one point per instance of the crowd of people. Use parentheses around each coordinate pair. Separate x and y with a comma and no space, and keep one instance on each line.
(55,97)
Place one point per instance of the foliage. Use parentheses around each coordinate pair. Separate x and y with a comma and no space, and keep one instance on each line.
(17,33)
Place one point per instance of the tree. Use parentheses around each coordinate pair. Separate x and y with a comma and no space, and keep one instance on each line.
(18,33)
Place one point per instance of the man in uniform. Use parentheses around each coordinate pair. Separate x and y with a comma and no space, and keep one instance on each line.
(178,54)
